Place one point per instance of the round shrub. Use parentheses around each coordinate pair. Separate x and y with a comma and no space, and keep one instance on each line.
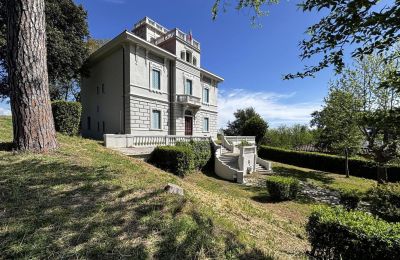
(67,116)
(385,201)
(282,188)
(335,233)
(350,199)
(201,152)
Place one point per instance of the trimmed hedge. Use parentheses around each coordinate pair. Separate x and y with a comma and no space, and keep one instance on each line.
(67,116)
(335,233)
(177,159)
(326,162)
(282,188)
(385,201)
(201,150)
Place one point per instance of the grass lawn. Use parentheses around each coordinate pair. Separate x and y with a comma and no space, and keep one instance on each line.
(84,201)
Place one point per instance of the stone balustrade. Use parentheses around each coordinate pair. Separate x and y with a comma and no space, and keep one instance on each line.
(125,141)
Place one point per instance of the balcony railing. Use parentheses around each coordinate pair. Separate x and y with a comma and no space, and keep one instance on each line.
(188,100)
(179,34)
(152,23)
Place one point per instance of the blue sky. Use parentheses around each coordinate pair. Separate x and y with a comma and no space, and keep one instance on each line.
(251,59)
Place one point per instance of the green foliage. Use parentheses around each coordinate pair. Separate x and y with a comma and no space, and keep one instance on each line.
(282,188)
(177,159)
(338,123)
(255,126)
(385,201)
(326,162)
(201,152)
(241,116)
(243,143)
(67,116)
(350,199)
(289,137)
(335,233)
(67,31)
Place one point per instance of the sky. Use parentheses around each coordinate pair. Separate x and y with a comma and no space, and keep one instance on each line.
(251,59)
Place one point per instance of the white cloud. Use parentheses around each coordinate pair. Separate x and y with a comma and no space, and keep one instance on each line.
(268,104)
(5,111)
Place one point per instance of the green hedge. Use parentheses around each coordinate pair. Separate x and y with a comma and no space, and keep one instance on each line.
(201,152)
(67,116)
(282,188)
(350,199)
(326,162)
(385,201)
(177,159)
(335,233)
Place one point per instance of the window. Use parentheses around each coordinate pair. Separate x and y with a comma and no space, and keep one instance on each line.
(98,90)
(104,127)
(156,119)
(206,95)
(88,123)
(188,56)
(156,79)
(206,124)
(98,126)
(194,61)
(188,87)
(102,88)
(182,55)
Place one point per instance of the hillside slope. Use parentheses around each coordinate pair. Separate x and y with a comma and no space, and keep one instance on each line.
(85,201)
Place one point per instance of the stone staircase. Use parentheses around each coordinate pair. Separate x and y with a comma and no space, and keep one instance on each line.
(231,159)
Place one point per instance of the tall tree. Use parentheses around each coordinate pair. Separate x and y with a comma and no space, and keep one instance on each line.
(67,33)
(33,125)
(241,116)
(371,25)
(338,124)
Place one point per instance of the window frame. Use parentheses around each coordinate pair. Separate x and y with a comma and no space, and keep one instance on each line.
(153,70)
(191,86)
(159,120)
(207,102)
(206,119)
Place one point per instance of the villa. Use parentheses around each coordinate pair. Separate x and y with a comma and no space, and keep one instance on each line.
(149,82)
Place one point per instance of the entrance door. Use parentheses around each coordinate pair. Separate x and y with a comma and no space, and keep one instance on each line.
(188,125)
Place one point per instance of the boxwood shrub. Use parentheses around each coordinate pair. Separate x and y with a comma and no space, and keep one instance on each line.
(282,188)
(201,150)
(67,116)
(326,162)
(177,159)
(335,233)
(385,201)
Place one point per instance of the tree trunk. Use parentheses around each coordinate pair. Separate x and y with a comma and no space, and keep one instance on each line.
(346,151)
(381,174)
(33,124)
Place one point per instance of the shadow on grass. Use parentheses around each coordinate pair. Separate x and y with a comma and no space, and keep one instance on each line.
(6,146)
(304,176)
(51,208)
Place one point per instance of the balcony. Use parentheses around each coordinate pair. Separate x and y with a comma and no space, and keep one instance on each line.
(181,35)
(188,100)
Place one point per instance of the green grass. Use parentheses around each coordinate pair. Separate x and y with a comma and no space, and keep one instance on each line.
(85,201)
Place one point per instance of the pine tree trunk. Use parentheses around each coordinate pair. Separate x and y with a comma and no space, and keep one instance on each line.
(381,174)
(33,124)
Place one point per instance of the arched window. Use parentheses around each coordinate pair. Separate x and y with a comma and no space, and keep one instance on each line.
(182,55)
(188,113)
(188,57)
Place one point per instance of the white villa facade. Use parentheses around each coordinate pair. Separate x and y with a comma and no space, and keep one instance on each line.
(149,82)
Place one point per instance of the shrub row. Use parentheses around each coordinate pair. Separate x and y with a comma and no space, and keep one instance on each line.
(326,162)
(183,158)
(335,233)
(350,199)
(177,159)
(67,116)
(282,188)
(385,201)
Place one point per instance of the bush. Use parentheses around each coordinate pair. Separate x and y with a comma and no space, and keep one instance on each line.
(67,116)
(350,199)
(201,152)
(326,162)
(255,126)
(177,159)
(335,233)
(385,201)
(282,188)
